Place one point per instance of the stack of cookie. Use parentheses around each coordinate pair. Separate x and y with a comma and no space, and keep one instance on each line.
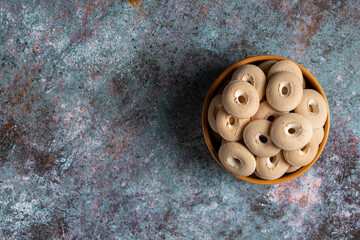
(267,121)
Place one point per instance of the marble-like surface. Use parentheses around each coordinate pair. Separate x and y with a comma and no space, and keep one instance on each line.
(100,119)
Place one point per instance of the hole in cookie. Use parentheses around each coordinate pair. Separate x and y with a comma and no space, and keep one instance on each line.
(271,162)
(263,139)
(232,121)
(284,89)
(313,107)
(304,149)
(242,99)
(271,118)
(234,162)
(248,78)
(291,130)
(237,161)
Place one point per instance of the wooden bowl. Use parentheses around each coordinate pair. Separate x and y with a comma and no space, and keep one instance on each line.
(222,80)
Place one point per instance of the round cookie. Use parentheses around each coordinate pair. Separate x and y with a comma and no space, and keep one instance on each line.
(253,75)
(237,159)
(214,106)
(319,134)
(266,65)
(230,128)
(287,66)
(291,131)
(257,138)
(271,168)
(265,111)
(292,169)
(313,107)
(284,91)
(240,99)
(303,156)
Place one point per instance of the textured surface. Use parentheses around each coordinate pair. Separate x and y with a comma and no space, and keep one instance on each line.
(100,129)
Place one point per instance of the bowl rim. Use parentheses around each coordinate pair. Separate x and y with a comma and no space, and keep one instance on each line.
(205,126)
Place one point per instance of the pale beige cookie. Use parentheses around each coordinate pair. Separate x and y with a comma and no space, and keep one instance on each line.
(287,66)
(253,75)
(237,159)
(271,168)
(257,138)
(313,107)
(265,111)
(240,99)
(214,106)
(284,91)
(292,169)
(266,65)
(230,128)
(319,134)
(303,156)
(291,131)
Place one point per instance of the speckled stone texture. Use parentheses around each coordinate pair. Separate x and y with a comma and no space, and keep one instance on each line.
(100,119)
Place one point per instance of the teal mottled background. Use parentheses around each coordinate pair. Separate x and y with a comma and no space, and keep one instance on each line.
(100,119)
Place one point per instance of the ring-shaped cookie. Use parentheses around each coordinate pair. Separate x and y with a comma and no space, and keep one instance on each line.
(266,65)
(240,99)
(214,106)
(287,66)
(230,128)
(271,168)
(313,107)
(291,131)
(237,159)
(253,75)
(265,111)
(303,156)
(257,138)
(284,91)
